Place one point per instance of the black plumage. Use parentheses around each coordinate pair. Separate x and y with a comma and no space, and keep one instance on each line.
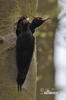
(19,29)
(25,46)
(36,22)
(24,51)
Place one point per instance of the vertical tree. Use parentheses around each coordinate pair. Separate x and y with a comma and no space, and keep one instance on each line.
(10,11)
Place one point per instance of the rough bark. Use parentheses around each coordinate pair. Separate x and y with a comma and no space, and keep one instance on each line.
(8,86)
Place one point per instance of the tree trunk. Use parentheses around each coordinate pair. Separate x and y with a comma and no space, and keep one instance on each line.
(8,70)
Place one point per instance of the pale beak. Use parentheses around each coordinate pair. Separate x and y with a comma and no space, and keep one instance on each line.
(45,19)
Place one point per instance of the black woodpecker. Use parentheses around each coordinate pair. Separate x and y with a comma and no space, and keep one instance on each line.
(24,51)
(25,46)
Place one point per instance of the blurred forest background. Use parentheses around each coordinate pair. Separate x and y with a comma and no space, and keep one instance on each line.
(45,47)
(44,36)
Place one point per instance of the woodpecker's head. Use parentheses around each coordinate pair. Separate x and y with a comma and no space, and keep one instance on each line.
(22,25)
(37,21)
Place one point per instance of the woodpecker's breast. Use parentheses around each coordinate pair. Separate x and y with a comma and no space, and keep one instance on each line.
(26,41)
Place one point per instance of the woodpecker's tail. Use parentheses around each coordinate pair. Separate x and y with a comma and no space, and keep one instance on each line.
(19,87)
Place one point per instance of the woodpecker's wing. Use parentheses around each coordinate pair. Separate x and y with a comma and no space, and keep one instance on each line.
(24,52)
